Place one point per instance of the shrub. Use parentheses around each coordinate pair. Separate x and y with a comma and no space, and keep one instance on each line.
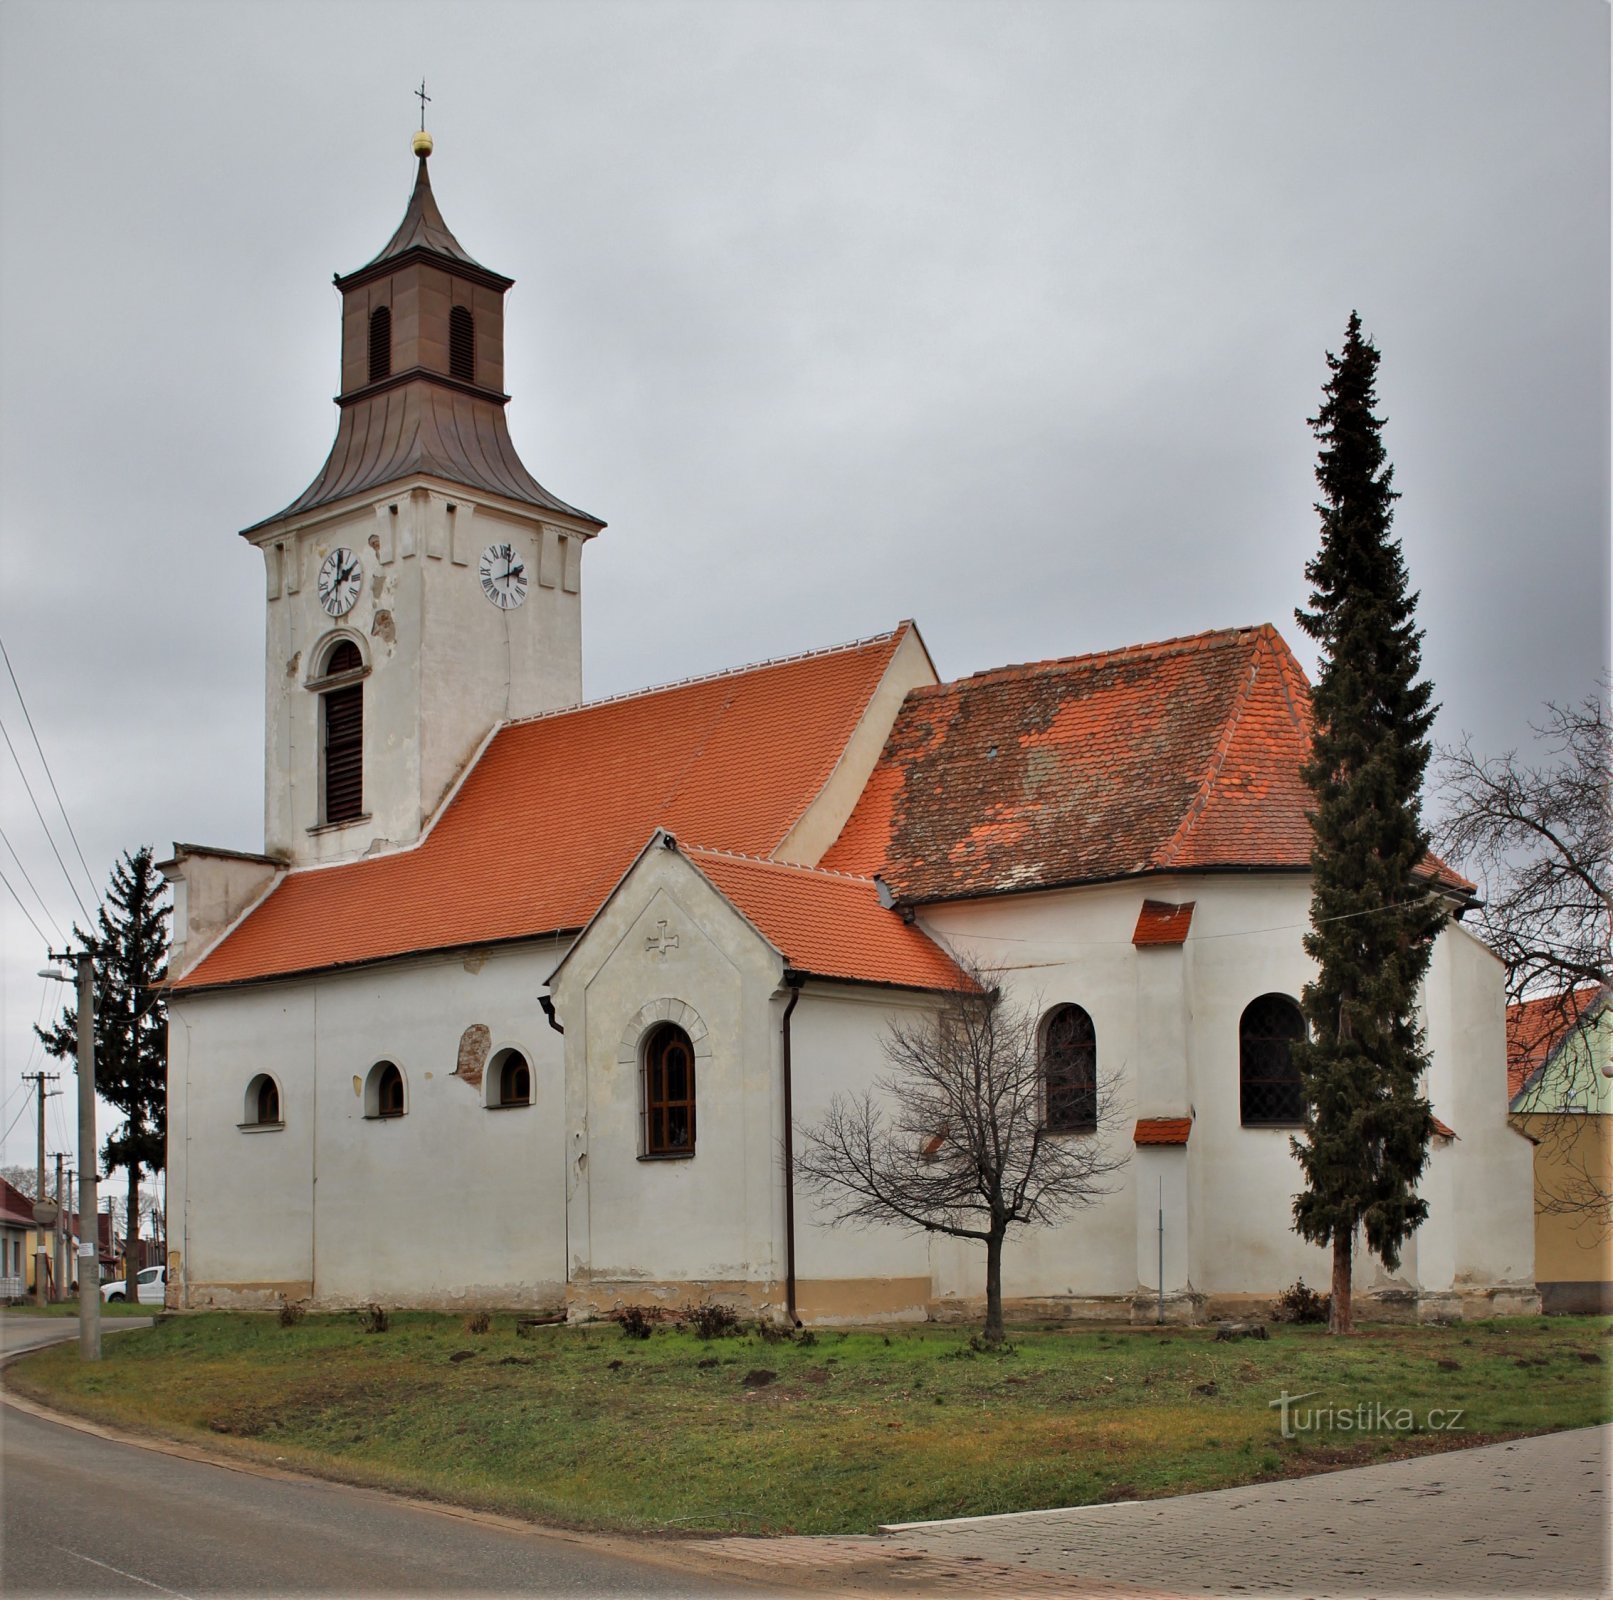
(1297,1303)
(710,1321)
(637,1322)
(372,1319)
(478,1322)
(291,1313)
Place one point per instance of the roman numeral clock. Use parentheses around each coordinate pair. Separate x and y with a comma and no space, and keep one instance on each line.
(503,576)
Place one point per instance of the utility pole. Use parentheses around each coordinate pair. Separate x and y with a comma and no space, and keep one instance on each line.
(56,1252)
(43,1216)
(89,1250)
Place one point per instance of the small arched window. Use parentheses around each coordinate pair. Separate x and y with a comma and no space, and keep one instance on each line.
(342,716)
(1069,1071)
(380,343)
(462,344)
(384,1092)
(1270,1093)
(668,1093)
(509,1080)
(262,1103)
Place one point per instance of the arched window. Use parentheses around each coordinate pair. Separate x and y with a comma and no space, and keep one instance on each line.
(262,1102)
(384,1092)
(668,1092)
(1069,1071)
(509,1080)
(342,715)
(380,343)
(462,344)
(1270,1093)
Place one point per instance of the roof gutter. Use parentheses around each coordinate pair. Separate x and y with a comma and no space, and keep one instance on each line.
(794,980)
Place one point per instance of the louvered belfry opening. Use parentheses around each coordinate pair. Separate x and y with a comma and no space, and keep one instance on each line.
(462,344)
(344,738)
(380,343)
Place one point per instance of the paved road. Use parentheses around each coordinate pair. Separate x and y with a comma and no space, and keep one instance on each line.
(83,1515)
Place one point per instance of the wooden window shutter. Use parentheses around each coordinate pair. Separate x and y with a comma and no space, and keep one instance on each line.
(344,753)
(380,343)
(462,344)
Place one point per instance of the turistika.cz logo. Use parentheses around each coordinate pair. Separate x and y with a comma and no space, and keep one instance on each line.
(1366,1416)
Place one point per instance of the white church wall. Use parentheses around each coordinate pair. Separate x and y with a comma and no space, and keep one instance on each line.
(451,1204)
(672,1229)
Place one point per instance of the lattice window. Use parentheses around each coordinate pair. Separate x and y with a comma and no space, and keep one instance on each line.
(1069,1071)
(462,344)
(1270,1093)
(380,343)
(669,1097)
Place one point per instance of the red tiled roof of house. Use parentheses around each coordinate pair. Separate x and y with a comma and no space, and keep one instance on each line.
(1536,1027)
(1160,922)
(1162,1130)
(829,925)
(1443,1130)
(15,1206)
(555,809)
(1179,756)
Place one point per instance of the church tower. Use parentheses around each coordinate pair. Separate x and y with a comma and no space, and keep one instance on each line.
(425,585)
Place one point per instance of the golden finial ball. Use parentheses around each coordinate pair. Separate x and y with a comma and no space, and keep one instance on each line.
(422,143)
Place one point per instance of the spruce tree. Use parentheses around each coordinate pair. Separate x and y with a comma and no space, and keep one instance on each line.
(131,1027)
(1374,914)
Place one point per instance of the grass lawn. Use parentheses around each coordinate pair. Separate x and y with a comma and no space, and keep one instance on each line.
(588,1428)
(69,1308)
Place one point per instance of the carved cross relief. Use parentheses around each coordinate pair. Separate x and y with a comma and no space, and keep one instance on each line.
(661,941)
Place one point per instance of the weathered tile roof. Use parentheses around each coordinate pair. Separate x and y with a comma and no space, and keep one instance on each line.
(553,812)
(1536,1027)
(1162,1130)
(1182,756)
(1160,922)
(828,924)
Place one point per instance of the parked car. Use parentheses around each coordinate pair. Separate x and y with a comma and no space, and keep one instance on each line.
(150,1286)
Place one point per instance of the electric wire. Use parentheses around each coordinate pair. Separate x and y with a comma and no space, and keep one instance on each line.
(89,877)
(24,910)
(44,909)
(29,789)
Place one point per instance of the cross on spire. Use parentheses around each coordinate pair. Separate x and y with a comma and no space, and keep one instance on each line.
(422,97)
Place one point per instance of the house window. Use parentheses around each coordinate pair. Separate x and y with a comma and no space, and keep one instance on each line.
(262,1103)
(384,1091)
(462,344)
(1270,1094)
(509,1080)
(380,343)
(1069,1071)
(668,1093)
(342,715)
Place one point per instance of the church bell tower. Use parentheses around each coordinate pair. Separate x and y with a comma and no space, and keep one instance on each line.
(425,585)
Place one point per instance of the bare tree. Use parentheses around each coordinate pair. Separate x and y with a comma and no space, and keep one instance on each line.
(1537,837)
(953,1138)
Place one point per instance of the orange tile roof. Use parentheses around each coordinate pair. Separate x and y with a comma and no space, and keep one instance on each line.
(1180,756)
(829,925)
(1160,922)
(1443,1130)
(1536,1027)
(1162,1130)
(554,811)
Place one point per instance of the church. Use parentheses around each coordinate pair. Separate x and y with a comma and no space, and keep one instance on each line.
(527,998)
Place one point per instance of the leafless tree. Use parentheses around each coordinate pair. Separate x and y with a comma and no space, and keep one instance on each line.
(953,1137)
(1537,838)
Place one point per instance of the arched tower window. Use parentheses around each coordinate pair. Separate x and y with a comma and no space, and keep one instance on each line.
(668,1092)
(342,713)
(380,343)
(1069,1071)
(262,1102)
(1270,1094)
(509,1080)
(462,344)
(384,1092)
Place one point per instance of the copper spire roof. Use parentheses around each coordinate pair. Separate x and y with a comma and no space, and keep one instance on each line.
(422,228)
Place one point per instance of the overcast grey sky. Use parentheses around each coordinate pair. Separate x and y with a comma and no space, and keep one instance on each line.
(1007,317)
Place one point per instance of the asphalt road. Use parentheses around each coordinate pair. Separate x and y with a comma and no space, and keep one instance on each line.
(83,1515)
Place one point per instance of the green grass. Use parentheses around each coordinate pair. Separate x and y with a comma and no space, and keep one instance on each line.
(69,1308)
(587,1428)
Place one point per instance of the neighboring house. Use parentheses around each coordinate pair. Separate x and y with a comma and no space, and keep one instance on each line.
(16,1242)
(1560,1084)
(510,1008)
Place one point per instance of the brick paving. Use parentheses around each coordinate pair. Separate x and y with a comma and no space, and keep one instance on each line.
(1525,1518)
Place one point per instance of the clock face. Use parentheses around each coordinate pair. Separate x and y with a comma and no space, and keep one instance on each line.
(340,579)
(503,576)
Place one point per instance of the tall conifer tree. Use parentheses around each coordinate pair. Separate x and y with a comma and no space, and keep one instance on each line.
(1373,913)
(131,1026)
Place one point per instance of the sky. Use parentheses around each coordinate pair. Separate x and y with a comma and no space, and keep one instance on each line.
(1007,317)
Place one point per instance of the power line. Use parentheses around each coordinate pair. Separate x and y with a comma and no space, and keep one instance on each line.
(32,885)
(89,877)
(24,910)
